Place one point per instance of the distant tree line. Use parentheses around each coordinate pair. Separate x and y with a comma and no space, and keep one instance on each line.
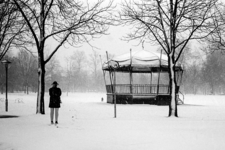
(22,73)
(203,73)
(207,76)
(82,73)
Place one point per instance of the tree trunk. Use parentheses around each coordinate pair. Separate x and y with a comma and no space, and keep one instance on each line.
(41,87)
(27,89)
(2,90)
(41,64)
(173,103)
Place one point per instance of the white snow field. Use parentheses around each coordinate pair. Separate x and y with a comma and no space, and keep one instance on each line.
(86,123)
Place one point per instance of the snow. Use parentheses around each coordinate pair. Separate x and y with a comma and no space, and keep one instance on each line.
(87,123)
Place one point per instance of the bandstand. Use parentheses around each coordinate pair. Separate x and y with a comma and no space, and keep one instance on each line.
(151,69)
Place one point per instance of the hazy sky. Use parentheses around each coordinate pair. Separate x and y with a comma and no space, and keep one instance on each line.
(112,43)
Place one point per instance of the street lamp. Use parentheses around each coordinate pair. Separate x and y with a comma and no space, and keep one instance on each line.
(6,63)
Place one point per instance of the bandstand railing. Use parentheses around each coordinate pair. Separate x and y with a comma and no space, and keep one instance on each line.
(138,89)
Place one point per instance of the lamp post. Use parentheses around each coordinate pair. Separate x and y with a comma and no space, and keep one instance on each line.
(6,63)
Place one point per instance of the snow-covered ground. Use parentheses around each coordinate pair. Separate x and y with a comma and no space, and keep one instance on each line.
(86,123)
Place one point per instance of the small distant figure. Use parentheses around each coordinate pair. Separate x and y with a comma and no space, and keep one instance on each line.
(102,99)
(54,103)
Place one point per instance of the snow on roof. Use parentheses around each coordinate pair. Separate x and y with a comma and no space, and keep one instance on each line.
(139,61)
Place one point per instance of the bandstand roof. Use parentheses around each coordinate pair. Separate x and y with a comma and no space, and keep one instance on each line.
(139,61)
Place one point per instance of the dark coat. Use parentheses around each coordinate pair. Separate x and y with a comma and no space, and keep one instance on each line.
(55,100)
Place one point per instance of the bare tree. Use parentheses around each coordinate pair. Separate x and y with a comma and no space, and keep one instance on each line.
(95,67)
(78,64)
(213,71)
(69,71)
(26,63)
(170,24)
(216,41)
(68,21)
(53,70)
(12,29)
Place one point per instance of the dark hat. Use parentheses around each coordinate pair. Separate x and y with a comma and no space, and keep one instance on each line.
(55,83)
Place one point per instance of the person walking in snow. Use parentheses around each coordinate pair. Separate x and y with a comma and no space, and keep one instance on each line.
(54,103)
